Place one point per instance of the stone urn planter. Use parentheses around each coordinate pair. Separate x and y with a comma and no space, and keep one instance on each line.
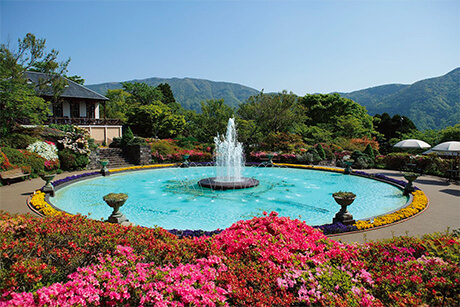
(104,170)
(410,177)
(344,199)
(48,187)
(116,200)
(185,163)
(348,164)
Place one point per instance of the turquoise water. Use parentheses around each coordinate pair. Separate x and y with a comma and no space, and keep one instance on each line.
(171,197)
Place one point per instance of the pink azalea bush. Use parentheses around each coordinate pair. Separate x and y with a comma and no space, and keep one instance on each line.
(125,279)
(264,261)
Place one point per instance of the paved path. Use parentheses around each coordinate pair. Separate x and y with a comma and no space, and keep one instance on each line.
(443,211)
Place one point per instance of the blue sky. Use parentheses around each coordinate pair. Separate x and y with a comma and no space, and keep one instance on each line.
(299,46)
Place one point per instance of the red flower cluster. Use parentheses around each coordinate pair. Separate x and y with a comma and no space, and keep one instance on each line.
(265,261)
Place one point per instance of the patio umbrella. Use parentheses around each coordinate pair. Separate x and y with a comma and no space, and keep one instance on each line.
(411,143)
(451,146)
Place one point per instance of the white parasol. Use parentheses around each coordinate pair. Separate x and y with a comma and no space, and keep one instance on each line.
(451,146)
(411,143)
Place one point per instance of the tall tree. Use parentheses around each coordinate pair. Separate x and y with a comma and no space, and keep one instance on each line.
(18,98)
(168,96)
(212,120)
(272,112)
(116,106)
(341,116)
(392,127)
(265,115)
(155,120)
(142,93)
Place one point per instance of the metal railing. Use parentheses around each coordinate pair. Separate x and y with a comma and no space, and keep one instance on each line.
(77,121)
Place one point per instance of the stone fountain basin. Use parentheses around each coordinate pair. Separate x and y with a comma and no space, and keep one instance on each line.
(216,184)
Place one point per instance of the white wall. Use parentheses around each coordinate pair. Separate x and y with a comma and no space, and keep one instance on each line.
(96,111)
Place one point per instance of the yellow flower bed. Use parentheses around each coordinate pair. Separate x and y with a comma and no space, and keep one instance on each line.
(38,202)
(323,168)
(419,202)
(141,167)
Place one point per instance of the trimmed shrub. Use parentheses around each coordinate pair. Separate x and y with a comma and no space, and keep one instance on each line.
(321,153)
(71,160)
(127,137)
(18,140)
(361,160)
(30,162)
(369,151)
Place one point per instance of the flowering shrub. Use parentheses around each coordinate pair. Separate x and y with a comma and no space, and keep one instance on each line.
(47,150)
(125,279)
(195,156)
(168,150)
(363,142)
(76,141)
(266,261)
(29,162)
(407,274)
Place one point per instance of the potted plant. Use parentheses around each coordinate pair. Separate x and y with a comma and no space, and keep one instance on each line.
(410,176)
(344,199)
(50,170)
(116,200)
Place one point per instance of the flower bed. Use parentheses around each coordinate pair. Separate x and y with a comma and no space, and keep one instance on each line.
(266,261)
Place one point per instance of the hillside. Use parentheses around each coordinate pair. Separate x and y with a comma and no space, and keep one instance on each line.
(190,92)
(431,103)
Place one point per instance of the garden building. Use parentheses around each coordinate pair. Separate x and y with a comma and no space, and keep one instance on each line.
(76,105)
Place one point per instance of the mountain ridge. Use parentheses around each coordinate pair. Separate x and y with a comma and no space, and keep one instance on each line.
(431,103)
(189,92)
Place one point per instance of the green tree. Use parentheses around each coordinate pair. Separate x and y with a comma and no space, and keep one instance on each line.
(320,150)
(141,93)
(369,151)
(18,98)
(76,79)
(272,112)
(450,134)
(314,134)
(339,115)
(168,96)
(212,120)
(116,106)
(155,120)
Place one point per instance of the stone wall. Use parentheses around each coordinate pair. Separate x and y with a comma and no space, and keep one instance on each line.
(94,160)
(138,154)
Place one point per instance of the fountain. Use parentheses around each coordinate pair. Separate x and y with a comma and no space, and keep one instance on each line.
(229,163)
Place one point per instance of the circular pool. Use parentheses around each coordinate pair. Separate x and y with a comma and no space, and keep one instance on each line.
(171,197)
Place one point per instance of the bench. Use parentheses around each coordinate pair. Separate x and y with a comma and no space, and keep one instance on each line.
(13,174)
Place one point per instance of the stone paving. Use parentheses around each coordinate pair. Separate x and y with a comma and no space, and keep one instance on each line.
(443,211)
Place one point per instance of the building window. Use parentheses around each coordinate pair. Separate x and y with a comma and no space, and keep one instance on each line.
(74,110)
(90,110)
(57,109)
